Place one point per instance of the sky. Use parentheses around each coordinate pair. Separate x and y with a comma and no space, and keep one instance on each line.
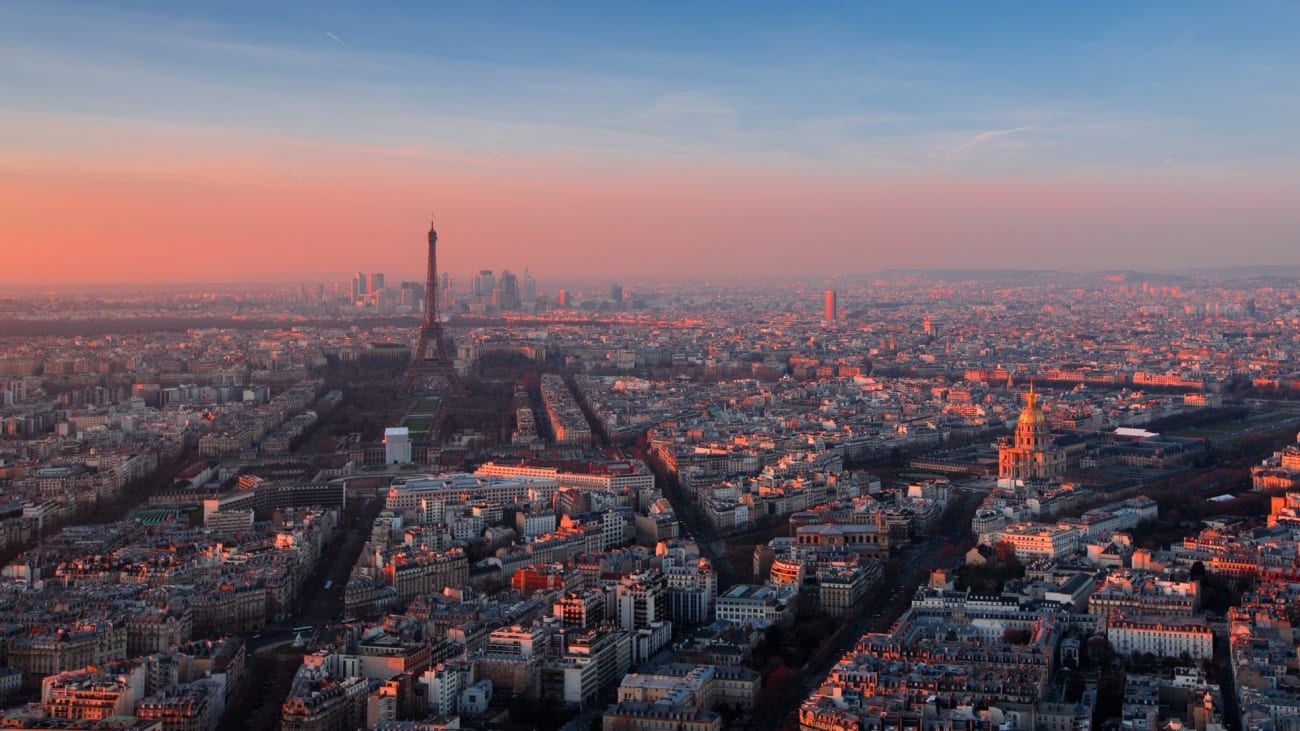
(293,141)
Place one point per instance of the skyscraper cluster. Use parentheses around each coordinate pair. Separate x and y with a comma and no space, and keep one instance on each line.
(505,293)
(368,290)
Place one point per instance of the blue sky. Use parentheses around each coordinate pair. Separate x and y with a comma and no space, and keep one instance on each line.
(1170,93)
(904,86)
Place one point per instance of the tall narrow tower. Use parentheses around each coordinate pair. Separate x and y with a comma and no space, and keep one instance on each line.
(429,362)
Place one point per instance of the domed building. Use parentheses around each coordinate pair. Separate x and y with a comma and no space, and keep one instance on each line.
(1031,453)
(1279,473)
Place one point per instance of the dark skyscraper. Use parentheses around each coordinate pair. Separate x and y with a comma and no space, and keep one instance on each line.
(430,361)
(410,294)
(509,286)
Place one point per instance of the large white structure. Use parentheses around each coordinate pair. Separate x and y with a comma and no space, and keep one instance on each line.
(1161,636)
(1034,541)
(443,683)
(641,600)
(407,493)
(692,590)
(623,475)
(397,445)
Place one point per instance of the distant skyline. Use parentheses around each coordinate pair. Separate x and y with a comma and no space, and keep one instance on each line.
(186,142)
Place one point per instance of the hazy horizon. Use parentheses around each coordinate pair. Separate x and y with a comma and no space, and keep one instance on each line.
(599,285)
(184,144)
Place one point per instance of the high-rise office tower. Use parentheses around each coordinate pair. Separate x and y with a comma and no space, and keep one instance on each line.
(616,293)
(410,294)
(376,282)
(562,298)
(832,305)
(509,287)
(360,285)
(530,288)
(484,283)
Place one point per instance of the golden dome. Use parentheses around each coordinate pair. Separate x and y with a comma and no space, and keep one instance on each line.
(1032,415)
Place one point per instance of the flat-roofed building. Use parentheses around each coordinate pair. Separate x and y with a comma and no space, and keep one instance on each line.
(397,445)
(407,493)
(580,609)
(749,604)
(1033,541)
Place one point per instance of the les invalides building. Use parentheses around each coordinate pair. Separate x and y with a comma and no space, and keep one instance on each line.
(1031,453)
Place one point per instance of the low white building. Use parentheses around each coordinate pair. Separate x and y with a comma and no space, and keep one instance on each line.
(475,699)
(757,605)
(535,523)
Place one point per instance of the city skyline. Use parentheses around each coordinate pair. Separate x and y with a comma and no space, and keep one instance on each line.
(238,143)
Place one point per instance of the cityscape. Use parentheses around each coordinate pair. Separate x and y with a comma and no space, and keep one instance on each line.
(553,380)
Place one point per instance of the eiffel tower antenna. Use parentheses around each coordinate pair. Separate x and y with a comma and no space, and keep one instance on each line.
(429,362)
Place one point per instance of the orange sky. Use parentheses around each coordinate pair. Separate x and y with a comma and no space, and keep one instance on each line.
(299,142)
(168,205)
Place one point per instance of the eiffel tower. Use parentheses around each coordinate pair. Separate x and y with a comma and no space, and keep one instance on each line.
(429,362)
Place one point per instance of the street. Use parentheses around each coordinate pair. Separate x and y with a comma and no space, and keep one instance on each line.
(891,602)
(256,703)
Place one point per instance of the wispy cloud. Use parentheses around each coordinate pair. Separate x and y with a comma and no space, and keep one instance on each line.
(985,136)
(338,40)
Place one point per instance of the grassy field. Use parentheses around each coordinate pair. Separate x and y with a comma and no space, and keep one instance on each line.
(1205,432)
(424,406)
(417,425)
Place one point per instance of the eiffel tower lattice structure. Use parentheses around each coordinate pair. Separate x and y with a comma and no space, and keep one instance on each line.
(430,368)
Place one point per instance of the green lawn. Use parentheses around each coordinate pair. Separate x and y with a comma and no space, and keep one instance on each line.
(424,406)
(417,424)
(1203,432)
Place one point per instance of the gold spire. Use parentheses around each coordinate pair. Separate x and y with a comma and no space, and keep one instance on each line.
(1032,399)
